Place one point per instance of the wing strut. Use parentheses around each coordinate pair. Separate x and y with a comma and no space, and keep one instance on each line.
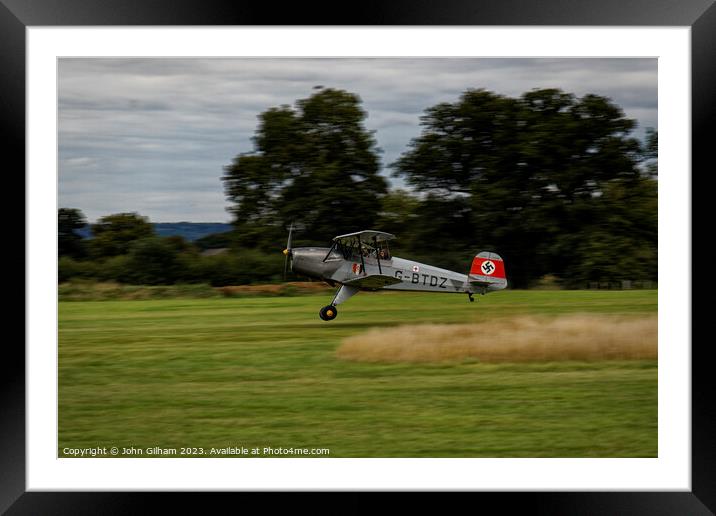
(329,251)
(377,254)
(343,293)
(362,261)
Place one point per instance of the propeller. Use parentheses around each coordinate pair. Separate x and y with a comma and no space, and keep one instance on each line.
(287,252)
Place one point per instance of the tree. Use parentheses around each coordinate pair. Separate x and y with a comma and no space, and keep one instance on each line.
(224,239)
(650,153)
(69,243)
(153,261)
(112,235)
(315,165)
(536,173)
(398,208)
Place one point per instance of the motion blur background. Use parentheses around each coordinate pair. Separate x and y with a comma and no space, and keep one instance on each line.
(188,171)
(178,179)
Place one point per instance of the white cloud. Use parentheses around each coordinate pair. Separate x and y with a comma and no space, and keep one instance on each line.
(132,131)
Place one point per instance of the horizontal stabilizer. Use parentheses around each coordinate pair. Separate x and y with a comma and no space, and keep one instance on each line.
(482,282)
(372,281)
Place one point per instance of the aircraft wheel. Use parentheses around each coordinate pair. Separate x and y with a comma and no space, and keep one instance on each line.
(328,313)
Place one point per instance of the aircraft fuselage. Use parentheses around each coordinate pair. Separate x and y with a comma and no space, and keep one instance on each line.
(316,262)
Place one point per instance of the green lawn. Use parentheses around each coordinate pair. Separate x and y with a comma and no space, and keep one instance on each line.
(262,371)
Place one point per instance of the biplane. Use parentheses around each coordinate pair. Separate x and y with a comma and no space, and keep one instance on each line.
(363,261)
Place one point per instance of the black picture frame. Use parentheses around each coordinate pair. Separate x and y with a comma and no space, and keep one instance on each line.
(17,15)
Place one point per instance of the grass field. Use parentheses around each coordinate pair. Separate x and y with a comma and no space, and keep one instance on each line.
(263,372)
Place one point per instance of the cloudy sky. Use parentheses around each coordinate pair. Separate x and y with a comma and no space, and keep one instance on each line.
(152,135)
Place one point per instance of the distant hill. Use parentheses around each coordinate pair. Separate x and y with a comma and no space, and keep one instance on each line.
(189,230)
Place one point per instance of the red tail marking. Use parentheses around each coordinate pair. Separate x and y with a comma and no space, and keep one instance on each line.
(495,268)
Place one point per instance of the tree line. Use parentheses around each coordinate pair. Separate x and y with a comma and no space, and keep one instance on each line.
(556,184)
(125,248)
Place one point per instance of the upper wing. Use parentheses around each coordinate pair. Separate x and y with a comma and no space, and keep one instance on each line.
(367,235)
(373,281)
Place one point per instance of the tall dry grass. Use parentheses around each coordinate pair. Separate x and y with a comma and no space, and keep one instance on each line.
(518,339)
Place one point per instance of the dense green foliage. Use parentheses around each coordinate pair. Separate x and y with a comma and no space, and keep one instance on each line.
(556,184)
(263,372)
(69,242)
(113,234)
(551,182)
(125,249)
(315,165)
(153,261)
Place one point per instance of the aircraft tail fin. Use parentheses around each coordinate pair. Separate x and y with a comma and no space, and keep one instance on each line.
(488,270)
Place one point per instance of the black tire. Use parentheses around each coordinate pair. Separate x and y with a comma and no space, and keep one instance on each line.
(328,313)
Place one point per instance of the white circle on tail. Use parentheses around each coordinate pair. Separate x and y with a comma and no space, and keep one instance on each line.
(487,267)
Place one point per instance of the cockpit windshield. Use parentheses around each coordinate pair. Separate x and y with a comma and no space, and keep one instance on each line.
(353,249)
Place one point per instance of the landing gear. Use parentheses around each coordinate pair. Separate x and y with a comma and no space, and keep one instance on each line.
(328,313)
(472,299)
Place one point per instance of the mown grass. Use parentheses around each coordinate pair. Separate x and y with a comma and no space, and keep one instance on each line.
(263,371)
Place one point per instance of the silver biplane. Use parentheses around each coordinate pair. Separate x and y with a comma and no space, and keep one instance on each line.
(362,261)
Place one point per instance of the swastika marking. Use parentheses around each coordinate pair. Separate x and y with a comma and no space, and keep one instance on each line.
(487,267)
